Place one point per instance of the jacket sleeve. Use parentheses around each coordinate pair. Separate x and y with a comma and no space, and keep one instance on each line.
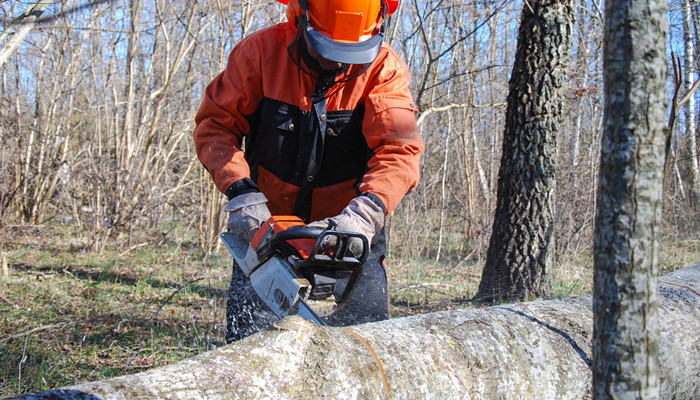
(391,131)
(221,121)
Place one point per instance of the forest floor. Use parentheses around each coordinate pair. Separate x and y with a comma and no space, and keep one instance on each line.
(69,315)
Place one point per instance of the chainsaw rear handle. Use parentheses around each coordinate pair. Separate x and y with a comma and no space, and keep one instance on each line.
(338,256)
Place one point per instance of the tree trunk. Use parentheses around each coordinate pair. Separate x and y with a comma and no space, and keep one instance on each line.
(23,25)
(519,253)
(536,350)
(690,124)
(626,331)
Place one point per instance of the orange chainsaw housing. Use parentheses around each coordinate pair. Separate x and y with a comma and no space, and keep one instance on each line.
(281,223)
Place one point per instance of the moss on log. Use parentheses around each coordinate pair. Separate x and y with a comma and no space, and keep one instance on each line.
(535,350)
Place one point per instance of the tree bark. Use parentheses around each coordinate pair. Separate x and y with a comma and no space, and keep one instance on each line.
(536,350)
(521,243)
(690,124)
(628,210)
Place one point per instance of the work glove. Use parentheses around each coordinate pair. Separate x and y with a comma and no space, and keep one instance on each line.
(247,213)
(361,215)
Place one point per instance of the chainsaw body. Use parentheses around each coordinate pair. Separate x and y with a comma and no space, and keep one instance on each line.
(291,266)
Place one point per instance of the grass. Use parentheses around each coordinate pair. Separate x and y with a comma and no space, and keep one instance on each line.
(68,315)
(420,286)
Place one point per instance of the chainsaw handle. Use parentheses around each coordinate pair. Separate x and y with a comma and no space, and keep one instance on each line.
(336,256)
(296,232)
(340,251)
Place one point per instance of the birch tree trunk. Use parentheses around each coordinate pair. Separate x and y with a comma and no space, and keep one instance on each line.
(536,350)
(690,124)
(22,26)
(626,331)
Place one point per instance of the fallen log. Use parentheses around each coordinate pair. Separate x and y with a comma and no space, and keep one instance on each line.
(535,350)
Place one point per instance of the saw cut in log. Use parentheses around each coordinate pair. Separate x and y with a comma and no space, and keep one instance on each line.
(535,350)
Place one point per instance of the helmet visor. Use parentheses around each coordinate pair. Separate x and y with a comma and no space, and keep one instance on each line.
(346,53)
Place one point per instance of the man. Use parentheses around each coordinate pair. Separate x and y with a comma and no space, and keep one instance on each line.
(323,110)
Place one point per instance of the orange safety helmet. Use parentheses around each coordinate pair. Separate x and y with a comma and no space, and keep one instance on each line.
(344,31)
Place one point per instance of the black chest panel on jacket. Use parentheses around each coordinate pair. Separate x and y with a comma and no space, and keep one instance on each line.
(307,149)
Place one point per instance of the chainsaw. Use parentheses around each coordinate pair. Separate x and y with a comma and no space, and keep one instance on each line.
(293,267)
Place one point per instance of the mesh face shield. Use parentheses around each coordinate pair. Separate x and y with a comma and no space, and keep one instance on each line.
(342,52)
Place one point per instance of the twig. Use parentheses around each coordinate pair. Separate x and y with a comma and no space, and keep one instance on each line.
(424,114)
(3,298)
(5,271)
(690,93)
(463,260)
(21,361)
(679,285)
(37,329)
(132,248)
(677,83)
(426,286)
(442,303)
(180,289)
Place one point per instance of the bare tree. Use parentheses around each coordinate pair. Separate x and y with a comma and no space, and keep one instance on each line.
(690,112)
(519,255)
(684,149)
(626,332)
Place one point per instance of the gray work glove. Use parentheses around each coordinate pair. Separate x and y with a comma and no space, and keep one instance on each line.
(247,213)
(361,216)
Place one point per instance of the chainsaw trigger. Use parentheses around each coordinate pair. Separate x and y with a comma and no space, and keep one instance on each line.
(322,286)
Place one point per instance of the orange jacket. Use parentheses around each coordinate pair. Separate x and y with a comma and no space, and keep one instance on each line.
(309,148)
